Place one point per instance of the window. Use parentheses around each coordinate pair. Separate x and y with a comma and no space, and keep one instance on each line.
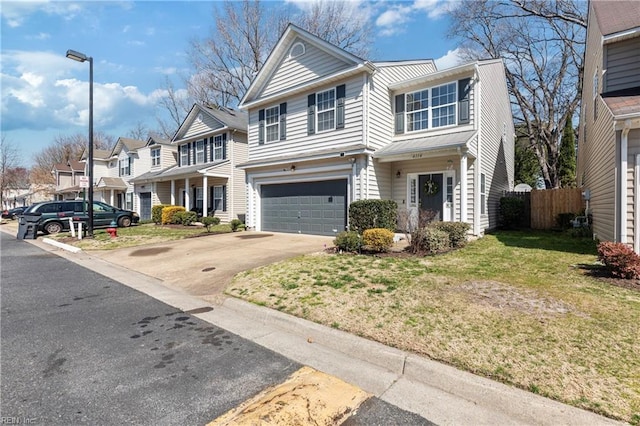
(218,148)
(200,151)
(449,189)
(125,169)
(155,157)
(184,155)
(326,105)
(443,101)
(273,123)
(483,194)
(413,193)
(129,201)
(417,110)
(218,198)
(199,200)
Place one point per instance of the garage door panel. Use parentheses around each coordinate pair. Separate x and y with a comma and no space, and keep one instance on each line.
(305,207)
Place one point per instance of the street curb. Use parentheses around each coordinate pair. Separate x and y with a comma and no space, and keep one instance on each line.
(63,246)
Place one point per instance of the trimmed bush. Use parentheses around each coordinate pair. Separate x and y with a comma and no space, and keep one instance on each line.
(429,240)
(185,218)
(235,224)
(348,241)
(156,213)
(168,212)
(209,221)
(511,212)
(457,232)
(369,214)
(563,220)
(619,259)
(378,239)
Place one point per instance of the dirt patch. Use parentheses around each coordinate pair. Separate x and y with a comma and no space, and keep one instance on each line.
(601,273)
(253,236)
(505,297)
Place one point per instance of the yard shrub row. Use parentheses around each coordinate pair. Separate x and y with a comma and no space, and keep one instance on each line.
(185,218)
(511,212)
(209,221)
(438,237)
(369,214)
(457,232)
(168,213)
(349,241)
(378,239)
(156,213)
(619,259)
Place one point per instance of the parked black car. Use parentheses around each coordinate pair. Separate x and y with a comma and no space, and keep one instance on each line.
(14,212)
(54,215)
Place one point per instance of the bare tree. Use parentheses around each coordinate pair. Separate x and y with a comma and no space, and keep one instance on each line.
(62,150)
(177,105)
(542,43)
(245,33)
(139,132)
(9,163)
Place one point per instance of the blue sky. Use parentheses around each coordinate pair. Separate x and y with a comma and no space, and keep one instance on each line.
(136,45)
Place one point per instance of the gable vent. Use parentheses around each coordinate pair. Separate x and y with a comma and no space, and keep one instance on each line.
(297,50)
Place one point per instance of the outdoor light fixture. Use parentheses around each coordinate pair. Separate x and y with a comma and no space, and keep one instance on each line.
(398,174)
(81,57)
(293,168)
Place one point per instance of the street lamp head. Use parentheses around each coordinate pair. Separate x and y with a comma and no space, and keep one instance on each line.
(77,56)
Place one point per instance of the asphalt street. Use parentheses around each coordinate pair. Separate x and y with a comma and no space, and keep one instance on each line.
(80,348)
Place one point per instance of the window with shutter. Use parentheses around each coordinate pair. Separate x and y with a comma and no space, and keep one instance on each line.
(283,121)
(261,125)
(272,123)
(400,113)
(340,100)
(311,114)
(464,87)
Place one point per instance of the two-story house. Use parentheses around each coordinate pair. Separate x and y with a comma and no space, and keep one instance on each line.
(67,176)
(327,128)
(608,167)
(209,144)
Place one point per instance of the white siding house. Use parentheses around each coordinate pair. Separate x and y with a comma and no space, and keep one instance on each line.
(327,128)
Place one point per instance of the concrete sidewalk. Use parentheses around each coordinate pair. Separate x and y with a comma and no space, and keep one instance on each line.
(438,392)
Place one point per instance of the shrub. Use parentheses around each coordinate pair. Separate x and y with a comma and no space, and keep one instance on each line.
(619,259)
(168,212)
(429,239)
(563,220)
(156,213)
(235,224)
(378,239)
(511,212)
(184,218)
(457,232)
(580,232)
(369,214)
(348,241)
(209,221)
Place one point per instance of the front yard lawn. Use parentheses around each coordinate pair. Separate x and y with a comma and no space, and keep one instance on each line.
(521,307)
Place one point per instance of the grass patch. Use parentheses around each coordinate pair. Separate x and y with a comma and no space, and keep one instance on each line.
(511,306)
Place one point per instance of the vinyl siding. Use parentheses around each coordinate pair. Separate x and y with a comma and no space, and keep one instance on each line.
(313,64)
(496,139)
(632,190)
(622,64)
(237,193)
(298,142)
(198,128)
(380,104)
(161,193)
(596,166)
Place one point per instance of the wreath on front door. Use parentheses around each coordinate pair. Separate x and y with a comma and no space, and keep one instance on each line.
(431,187)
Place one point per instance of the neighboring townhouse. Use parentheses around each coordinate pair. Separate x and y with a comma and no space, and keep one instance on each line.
(209,144)
(608,166)
(327,128)
(67,176)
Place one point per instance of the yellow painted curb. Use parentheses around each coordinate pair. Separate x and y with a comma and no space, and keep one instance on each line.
(307,397)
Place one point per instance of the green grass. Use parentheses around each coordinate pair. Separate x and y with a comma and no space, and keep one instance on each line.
(518,307)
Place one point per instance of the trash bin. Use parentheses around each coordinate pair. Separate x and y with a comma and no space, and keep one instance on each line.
(28,226)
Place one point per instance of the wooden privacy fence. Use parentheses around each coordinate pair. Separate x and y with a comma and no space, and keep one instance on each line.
(547,204)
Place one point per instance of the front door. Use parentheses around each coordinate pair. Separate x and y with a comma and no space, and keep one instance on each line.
(430,190)
(145,205)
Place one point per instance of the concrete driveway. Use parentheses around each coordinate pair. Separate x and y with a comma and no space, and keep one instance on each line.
(204,266)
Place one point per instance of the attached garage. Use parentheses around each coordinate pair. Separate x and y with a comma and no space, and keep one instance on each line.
(318,208)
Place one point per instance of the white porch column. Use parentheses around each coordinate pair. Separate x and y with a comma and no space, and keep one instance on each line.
(173,192)
(205,195)
(623,182)
(187,194)
(464,190)
(112,197)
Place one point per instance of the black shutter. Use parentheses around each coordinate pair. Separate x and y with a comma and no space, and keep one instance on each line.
(210,200)
(224,198)
(224,146)
(193,200)
(193,152)
(130,166)
(311,114)
(340,95)
(283,121)
(261,127)
(205,147)
(463,101)
(400,113)
(119,169)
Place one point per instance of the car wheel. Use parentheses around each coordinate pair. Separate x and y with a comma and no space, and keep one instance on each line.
(53,227)
(124,222)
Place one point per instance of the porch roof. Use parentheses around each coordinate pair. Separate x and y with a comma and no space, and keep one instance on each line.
(180,172)
(449,141)
(111,183)
(319,154)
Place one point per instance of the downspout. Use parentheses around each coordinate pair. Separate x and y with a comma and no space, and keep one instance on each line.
(477,120)
(624,142)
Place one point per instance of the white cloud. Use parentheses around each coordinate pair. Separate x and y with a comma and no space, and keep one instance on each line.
(392,20)
(450,59)
(16,12)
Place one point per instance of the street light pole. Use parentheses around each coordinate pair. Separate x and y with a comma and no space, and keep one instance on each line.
(81,57)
